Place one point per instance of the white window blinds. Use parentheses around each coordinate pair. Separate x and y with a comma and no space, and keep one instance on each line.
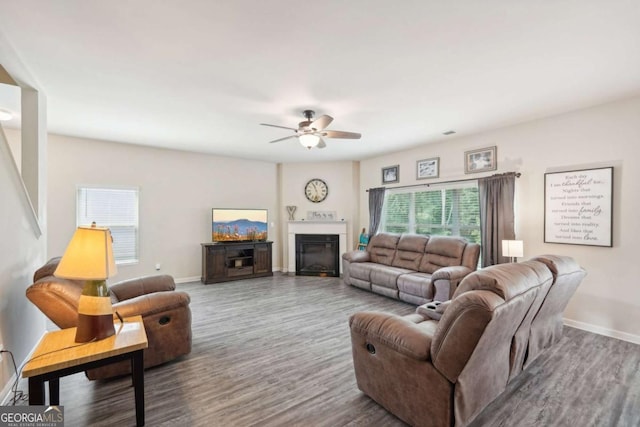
(117,209)
(445,210)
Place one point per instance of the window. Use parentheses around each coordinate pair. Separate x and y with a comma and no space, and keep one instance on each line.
(117,209)
(447,210)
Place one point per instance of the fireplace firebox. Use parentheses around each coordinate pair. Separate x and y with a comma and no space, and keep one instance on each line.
(317,255)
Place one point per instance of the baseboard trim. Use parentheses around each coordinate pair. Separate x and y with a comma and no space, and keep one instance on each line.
(624,336)
(197,278)
(187,279)
(6,390)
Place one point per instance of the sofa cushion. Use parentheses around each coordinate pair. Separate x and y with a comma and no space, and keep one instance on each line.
(359,283)
(361,270)
(416,284)
(410,251)
(442,252)
(382,248)
(387,276)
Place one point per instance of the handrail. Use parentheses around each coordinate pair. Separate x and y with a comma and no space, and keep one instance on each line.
(7,155)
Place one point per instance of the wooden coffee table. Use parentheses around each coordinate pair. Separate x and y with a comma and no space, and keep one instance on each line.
(58,355)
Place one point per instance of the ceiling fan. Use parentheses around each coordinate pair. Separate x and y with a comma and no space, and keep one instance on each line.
(310,132)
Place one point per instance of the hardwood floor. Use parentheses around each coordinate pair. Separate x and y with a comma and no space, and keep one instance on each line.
(276,352)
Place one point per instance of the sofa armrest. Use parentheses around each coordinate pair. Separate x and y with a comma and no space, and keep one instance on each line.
(456,273)
(357,256)
(47,270)
(395,332)
(132,288)
(433,310)
(445,280)
(150,304)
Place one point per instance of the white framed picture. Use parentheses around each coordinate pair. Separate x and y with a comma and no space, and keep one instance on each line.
(428,168)
(481,160)
(578,207)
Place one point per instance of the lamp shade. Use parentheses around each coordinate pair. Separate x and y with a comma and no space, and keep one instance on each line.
(89,256)
(309,140)
(512,248)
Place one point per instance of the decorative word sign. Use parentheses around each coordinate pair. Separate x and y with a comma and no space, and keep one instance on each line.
(578,207)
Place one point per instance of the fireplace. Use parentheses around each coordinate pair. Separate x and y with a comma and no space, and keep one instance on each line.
(313,227)
(317,255)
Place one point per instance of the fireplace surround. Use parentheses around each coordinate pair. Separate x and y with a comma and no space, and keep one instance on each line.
(314,227)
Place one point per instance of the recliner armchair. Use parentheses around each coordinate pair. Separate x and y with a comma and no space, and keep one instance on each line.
(441,366)
(165,312)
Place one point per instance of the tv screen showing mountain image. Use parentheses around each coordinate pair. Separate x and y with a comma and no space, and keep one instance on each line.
(238,225)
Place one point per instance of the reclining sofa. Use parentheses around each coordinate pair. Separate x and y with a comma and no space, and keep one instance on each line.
(431,372)
(413,268)
(165,313)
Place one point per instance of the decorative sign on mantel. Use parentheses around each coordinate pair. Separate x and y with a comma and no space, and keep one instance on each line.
(322,216)
(578,207)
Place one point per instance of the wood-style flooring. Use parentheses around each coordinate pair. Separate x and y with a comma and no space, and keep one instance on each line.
(276,352)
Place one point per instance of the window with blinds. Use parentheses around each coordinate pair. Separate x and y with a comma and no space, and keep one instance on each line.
(446,210)
(117,209)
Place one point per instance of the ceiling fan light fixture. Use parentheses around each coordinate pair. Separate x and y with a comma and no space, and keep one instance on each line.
(309,140)
(5,115)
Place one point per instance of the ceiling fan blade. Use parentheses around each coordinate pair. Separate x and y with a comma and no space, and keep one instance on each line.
(321,144)
(321,122)
(281,127)
(282,139)
(341,134)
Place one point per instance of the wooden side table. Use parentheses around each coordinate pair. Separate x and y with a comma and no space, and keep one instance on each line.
(58,355)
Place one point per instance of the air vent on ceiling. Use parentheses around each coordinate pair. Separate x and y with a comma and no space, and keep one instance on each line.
(449,132)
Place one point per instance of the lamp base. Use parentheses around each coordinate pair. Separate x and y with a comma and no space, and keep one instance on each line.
(95,313)
(94,328)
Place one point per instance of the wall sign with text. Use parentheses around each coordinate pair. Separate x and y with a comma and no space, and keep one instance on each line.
(578,207)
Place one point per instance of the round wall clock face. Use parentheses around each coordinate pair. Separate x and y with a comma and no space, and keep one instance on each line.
(316,190)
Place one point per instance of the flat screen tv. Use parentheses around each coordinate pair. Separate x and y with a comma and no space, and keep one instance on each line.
(238,225)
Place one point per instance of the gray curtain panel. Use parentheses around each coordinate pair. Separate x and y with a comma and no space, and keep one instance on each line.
(376,199)
(496,215)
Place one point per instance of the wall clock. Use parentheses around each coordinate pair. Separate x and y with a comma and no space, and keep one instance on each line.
(316,190)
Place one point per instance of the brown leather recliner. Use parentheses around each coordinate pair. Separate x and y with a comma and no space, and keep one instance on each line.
(443,373)
(165,312)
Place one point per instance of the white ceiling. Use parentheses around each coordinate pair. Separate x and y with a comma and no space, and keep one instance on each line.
(201,75)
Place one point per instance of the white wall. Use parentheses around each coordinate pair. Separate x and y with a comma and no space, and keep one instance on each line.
(608,135)
(23,243)
(177,191)
(13,138)
(341,178)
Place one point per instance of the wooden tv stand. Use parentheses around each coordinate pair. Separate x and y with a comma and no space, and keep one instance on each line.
(224,261)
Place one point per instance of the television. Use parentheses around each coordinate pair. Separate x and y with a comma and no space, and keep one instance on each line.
(238,225)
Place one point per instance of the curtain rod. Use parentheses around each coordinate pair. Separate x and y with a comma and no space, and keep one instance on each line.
(428,184)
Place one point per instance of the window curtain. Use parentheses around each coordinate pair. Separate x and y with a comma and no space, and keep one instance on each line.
(496,215)
(376,201)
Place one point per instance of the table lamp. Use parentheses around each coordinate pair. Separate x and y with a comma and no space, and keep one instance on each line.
(89,257)
(512,249)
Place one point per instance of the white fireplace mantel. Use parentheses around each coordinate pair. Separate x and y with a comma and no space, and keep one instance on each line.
(314,227)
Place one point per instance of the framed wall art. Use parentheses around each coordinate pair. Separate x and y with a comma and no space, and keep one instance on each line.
(428,168)
(391,174)
(578,207)
(481,160)
(322,216)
